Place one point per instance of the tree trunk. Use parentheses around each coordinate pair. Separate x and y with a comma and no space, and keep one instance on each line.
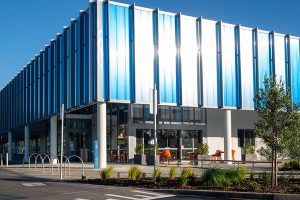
(272,171)
(276,169)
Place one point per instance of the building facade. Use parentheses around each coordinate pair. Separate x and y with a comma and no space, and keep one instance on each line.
(104,64)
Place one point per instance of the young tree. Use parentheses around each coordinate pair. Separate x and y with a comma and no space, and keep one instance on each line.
(279,123)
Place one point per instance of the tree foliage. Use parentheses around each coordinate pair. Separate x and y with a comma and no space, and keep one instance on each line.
(279,125)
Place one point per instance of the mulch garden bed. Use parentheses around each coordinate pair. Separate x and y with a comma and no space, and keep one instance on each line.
(291,186)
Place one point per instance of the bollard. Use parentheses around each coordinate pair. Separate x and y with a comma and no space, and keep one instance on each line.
(6,159)
(1,158)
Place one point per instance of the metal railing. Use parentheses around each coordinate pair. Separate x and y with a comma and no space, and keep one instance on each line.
(51,164)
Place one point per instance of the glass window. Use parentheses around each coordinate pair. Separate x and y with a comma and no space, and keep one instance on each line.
(176,114)
(123,113)
(168,138)
(137,113)
(187,139)
(188,115)
(164,113)
(148,117)
(148,138)
(246,137)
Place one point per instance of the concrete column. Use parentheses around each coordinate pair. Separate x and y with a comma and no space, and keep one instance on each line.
(26,142)
(43,142)
(53,136)
(9,136)
(101,134)
(228,135)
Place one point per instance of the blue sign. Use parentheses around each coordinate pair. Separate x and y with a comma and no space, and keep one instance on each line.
(96,155)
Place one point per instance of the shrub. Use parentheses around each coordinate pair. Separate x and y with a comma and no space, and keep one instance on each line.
(186,176)
(235,176)
(152,149)
(252,174)
(139,149)
(202,149)
(144,175)
(291,165)
(157,171)
(172,172)
(223,178)
(249,149)
(253,185)
(213,177)
(265,178)
(134,173)
(106,173)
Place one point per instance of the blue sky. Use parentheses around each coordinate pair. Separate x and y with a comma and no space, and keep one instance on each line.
(26,26)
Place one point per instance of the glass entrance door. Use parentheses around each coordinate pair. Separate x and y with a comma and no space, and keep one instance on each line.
(189,142)
(169,139)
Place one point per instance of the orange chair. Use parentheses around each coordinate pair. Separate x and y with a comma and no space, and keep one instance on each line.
(217,155)
(233,154)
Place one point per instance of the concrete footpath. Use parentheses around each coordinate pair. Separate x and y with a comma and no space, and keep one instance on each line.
(121,171)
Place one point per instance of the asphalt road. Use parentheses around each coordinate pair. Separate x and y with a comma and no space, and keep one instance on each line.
(18,186)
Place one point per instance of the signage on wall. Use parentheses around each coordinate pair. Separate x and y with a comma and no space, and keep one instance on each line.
(96,155)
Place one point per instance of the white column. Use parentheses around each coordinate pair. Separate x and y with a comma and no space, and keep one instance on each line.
(53,136)
(9,145)
(101,134)
(26,143)
(227,138)
(43,142)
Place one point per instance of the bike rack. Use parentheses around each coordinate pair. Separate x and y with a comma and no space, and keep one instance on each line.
(75,156)
(43,161)
(35,161)
(29,163)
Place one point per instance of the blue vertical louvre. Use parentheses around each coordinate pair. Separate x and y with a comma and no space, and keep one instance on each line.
(228,66)
(119,53)
(263,57)
(37,96)
(189,61)
(100,64)
(73,66)
(42,83)
(143,55)
(67,67)
(84,58)
(167,63)
(59,79)
(208,43)
(78,71)
(32,91)
(294,69)
(93,49)
(279,57)
(46,82)
(62,71)
(246,66)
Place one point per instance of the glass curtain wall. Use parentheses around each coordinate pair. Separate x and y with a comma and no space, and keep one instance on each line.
(117,129)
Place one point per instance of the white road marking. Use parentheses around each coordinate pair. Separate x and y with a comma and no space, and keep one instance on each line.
(119,196)
(144,192)
(144,196)
(140,196)
(33,184)
(80,199)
